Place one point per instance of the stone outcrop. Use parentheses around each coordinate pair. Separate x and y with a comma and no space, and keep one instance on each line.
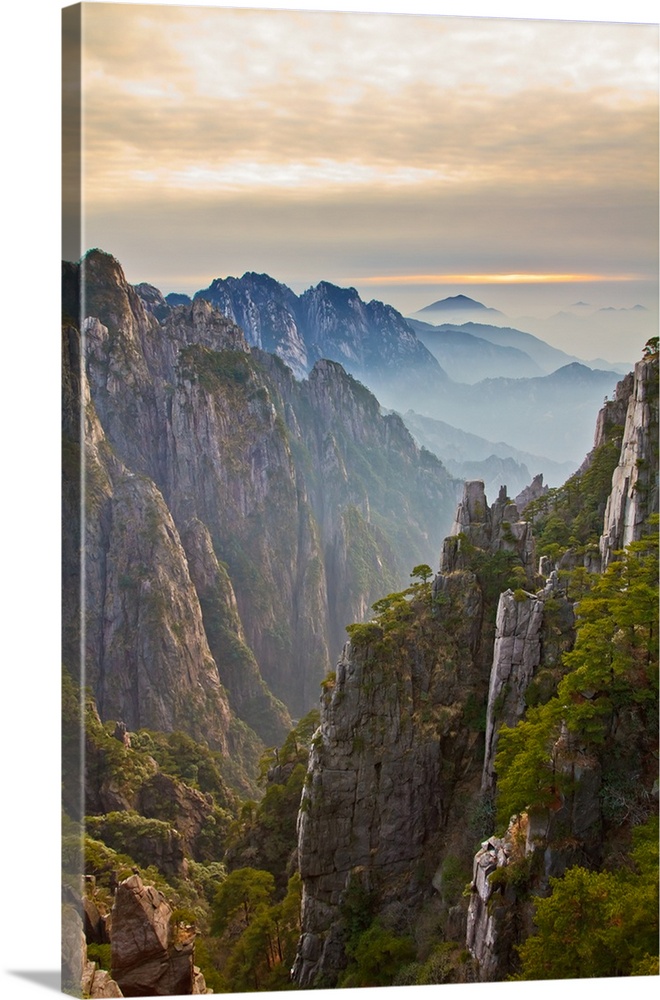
(391,767)
(97,983)
(534,491)
(634,494)
(494,915)
(149,956)
(516,657)
(491,529)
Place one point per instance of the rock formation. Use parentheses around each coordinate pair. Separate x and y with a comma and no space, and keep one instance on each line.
(492,529)
(516,657)
(224,554)
(150,957)
(570,830)
(634,492)
(395,764)
(386,768)
(499,918)
(535,490)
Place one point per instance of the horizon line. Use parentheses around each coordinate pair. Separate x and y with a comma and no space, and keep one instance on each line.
(491,279)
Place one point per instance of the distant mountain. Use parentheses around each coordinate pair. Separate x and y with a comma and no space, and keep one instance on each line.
(376,345)
(177,299)
(623,309)
(457,303)
(469,456)
(467,358)
(551,415)
(371,340)
(609,366)
(548,358)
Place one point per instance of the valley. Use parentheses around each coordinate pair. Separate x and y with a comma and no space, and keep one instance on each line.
(329,639)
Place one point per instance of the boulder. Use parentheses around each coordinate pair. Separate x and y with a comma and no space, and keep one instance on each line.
(74,949)
(147,957)
(97,983)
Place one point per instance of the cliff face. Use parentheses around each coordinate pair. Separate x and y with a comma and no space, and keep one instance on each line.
(581,825)
(635,482)
(235,518)
(368,339)
(395,769)
(392,766)
(400,767)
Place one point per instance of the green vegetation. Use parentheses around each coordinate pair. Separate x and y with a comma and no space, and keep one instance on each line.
(264,834)
(495,571)
(571,516)
(612,683)
(376,957)
(651,348)
(259,937)
(246,915)
(182,757)
(133,835)
(598,924)
(215,369)
(242,895)
(395,614)
(448,962)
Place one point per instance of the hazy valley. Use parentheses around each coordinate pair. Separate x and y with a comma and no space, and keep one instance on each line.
(260,473)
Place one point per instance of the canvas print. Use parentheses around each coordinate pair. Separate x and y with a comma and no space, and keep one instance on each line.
(360,450)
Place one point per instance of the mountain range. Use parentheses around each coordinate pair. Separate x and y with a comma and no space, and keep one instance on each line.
(236,522)
(411,365)
(576,325)
(468,456)
(237,517)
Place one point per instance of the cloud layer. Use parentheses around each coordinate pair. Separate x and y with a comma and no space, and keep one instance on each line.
(356,146)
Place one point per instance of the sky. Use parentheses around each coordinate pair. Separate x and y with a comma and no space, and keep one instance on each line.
(412,157)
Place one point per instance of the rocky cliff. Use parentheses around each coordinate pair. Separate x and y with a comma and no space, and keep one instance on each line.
(634,493)
(395,767)
(368,339)
(235,518)
(391,766)
(598,752)
(402,774)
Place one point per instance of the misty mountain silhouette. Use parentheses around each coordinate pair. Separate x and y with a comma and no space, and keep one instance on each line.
(458,302)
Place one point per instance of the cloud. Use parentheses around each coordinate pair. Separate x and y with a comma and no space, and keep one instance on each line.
(285,139)
(229,98)
(326,145)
